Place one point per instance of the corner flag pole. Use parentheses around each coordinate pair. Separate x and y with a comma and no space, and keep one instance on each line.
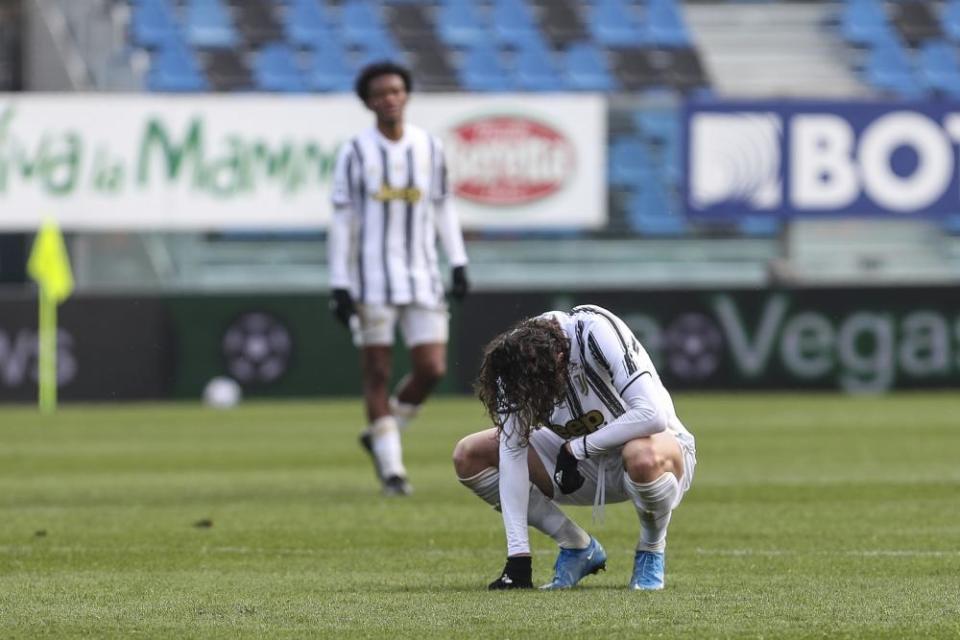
(49,265)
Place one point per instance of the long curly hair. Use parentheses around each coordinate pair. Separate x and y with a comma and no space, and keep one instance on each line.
(524,373)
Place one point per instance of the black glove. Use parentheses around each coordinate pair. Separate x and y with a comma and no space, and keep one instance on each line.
(516,574)
(342,307)
(566,475)
(460,284)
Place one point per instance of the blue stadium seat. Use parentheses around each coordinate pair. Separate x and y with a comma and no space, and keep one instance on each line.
(379,50)
(152,23)
(863,22)
(612,24)
(208,24)
(950,19)
(889,69)
(481,70)
(535,70)
(652,212)
(665,26)
(585,69)
(275,69)
(629,163)
(174,68)
(330,69)
(658,125)
(513,22)
(306,23)
(459,24)
(360,23)
(939,67)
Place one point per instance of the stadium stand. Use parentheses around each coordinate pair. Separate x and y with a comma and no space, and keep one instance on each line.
(648,54)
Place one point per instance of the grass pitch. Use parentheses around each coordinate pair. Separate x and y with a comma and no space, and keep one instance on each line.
(811,516)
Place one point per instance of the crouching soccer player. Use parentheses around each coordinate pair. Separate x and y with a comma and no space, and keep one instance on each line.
(581,417)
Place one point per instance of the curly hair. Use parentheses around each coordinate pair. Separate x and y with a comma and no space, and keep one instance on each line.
(372,71)
(524,373)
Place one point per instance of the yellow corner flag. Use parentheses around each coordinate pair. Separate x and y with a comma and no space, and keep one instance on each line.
(49,265)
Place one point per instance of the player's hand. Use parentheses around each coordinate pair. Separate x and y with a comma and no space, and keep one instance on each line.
(460,287)
(516,574)
(342,307)
(566,474)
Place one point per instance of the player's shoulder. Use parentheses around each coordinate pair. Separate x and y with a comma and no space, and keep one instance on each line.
(422,138)
(594,314)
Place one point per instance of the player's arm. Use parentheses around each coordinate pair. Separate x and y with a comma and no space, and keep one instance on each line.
(339,235)
(514,489)
(448,225)
(647,410)
(514,501)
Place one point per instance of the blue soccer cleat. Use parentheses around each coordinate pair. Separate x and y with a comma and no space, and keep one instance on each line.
(573,565)
(647,571)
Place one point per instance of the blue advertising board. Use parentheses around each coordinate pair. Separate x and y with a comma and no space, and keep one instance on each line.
(822,159)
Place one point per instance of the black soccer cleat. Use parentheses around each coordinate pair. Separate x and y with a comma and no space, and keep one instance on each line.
(397,486)
(516,574)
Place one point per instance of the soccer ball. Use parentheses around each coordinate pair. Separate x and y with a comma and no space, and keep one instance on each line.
(222,393)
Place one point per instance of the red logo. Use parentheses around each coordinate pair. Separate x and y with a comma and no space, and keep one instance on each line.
(508,160)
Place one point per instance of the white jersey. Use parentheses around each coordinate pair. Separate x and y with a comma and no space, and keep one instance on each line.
(614,394)
(390,201)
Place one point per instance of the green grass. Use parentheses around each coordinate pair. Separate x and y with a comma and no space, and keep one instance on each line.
(811,516)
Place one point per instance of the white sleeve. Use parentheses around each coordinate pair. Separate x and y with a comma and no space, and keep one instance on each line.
(647,414)
(338,234)
(514,489)
(451,237)
(445,216)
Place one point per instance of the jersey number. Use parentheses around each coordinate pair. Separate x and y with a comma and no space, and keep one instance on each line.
(587,423)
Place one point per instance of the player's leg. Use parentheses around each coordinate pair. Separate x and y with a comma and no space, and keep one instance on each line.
(580,554)
(425,331)
(476,459)
(653,467)
(382,435)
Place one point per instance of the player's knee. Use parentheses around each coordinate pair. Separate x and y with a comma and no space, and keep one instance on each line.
(464,455)
(643,464)
(432,371)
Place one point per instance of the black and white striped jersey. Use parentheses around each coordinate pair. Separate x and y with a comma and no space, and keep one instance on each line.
(391,201)
(606,360)
(613,395)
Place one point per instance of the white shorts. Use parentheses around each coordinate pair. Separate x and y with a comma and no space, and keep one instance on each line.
(418,324)
(547,445)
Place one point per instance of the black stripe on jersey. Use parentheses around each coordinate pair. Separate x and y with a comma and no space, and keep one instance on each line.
(573,400)
(385,248)
(361,204)
(627,356)
(634,379)
(598,354)
(408,228)
(427,237)
(443,176)
(595,381)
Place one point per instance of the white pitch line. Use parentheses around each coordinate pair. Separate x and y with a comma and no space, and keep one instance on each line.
(862,553)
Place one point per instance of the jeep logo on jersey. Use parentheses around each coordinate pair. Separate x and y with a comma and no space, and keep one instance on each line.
(508,160)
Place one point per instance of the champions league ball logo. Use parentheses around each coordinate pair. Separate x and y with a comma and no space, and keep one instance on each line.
(257,348)
(693,346)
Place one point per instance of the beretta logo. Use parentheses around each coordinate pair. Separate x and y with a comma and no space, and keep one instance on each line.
(508,160)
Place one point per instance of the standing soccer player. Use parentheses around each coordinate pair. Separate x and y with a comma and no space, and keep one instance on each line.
(390,202)
(576,394)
